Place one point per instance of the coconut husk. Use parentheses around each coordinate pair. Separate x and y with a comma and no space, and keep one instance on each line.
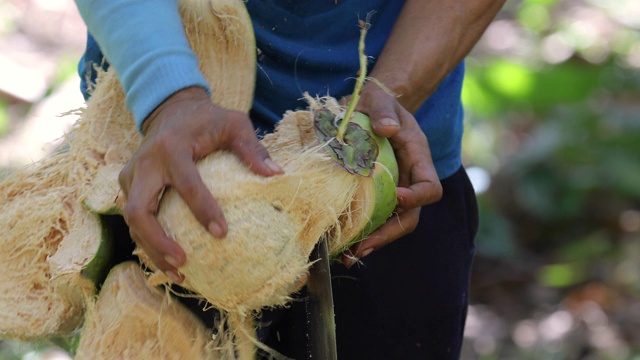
(40,204)
(273,222)
(38,299)
(131,320)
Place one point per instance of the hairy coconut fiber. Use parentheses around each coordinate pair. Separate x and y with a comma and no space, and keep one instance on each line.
(41,293)
(274,222)
(375,197)
(38,298)
(40,205)
(221,35)
(131,320)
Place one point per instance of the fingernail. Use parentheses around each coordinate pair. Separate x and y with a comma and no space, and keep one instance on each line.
(173,276)
(389,122)
(172,261)
(215,229)
(366,252)
(272,165)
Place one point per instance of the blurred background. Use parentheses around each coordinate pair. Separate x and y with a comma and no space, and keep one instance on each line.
(552,145)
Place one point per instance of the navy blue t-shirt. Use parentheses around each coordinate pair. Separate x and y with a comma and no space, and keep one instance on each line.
(312,46)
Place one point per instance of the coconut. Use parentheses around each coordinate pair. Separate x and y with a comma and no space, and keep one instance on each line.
(131,320)
(50,240)
(375,199)
(43,292)
(30,305)
(273,222)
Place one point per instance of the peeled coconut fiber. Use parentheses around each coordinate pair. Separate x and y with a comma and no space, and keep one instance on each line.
(132,320)
(273,222)
(40,206)
(49,245)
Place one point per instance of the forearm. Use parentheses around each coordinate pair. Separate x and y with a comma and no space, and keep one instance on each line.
(428,40)
(144,42)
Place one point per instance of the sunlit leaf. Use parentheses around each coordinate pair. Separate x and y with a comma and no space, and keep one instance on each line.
(561,275)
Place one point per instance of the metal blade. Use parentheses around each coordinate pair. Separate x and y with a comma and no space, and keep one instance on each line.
(319,302)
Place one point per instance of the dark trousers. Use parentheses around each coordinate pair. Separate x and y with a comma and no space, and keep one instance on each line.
(406,301)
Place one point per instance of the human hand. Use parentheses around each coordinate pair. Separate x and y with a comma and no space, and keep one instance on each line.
(418,183)
(184,128)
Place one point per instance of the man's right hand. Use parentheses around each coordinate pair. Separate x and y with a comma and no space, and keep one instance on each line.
(184,128)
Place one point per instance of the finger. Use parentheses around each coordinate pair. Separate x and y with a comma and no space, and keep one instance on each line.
(419,183)
(384,120)
(140,212)
(397,226)
(239,136)
(419,194)
(187,181)
(162,263)
(424,185)
(254,155)
(385,126)
(383,111)
(410,139)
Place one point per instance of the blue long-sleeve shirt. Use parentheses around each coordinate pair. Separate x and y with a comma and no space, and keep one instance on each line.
(303,46)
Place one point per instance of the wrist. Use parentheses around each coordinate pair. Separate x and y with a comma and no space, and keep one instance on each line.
(395,85)
(192,93)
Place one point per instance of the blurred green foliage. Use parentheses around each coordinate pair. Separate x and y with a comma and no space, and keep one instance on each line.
(559,136)
(66,69)
(14,350)
(553,115)
(502,85)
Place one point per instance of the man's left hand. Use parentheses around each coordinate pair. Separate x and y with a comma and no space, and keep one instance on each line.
(418,183)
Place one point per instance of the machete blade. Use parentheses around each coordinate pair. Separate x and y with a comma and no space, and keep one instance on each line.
(319,303)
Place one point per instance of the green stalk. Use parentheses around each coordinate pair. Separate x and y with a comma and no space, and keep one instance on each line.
(362,76)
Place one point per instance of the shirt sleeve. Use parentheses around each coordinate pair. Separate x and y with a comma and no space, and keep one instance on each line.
(144,41)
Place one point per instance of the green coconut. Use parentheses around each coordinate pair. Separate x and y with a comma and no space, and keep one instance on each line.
(274,222)
(364,154)
(376,198)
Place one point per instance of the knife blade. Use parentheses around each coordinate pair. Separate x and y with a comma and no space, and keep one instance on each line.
(319,303)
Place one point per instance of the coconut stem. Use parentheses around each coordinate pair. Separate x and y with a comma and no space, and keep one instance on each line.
(362,76)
